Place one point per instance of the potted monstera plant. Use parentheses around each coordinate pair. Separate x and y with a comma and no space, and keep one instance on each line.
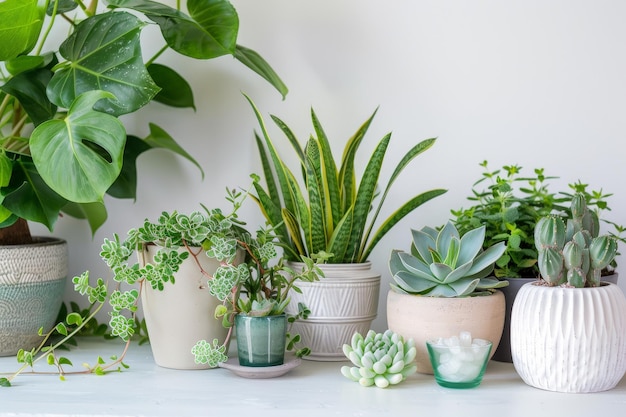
(62,143)
(329,216)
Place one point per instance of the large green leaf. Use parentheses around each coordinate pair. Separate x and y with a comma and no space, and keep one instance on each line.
(88,144)
(94,213)
(30,90)
(20,25)
(256,63)
(30,198)
(159,138)
(175,90)
(210,29)
(125,186)
(104,53)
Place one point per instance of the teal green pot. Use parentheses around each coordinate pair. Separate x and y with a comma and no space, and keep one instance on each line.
(261,340)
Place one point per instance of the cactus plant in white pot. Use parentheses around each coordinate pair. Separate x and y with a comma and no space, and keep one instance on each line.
(568,331)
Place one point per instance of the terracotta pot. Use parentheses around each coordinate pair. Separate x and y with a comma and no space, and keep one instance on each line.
(182,313)
(427,318)
(32,283)
(345,301)
(569,339)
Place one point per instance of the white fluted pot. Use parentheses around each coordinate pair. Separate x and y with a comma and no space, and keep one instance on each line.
(569,339)
(182,313)
(345,301)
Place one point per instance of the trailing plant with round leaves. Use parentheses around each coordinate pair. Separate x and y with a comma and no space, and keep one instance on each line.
(444,264)
(71,97)
(332,215)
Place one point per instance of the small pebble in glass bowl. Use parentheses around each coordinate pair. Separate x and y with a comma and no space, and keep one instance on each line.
(459,361)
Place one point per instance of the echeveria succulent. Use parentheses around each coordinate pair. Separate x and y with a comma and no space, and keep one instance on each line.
(444,264)
(381,359)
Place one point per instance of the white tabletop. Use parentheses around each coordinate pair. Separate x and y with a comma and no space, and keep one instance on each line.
(311,389)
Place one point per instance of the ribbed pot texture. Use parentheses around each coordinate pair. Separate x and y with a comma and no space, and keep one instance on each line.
(569,339)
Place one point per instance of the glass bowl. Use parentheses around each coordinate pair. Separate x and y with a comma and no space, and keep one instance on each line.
(457,363)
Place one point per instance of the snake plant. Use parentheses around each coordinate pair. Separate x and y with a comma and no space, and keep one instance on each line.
(331,214)
(444,264)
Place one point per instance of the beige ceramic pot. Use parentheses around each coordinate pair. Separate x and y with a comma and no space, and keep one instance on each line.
(345,301)
(182,313)
(569,339)
(426,318)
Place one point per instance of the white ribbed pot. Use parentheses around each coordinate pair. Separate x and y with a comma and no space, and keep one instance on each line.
(426,318)
(182,313)
(569,339)
(345,301)
(32,283)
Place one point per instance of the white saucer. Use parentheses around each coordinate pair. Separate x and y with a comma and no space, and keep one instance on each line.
(254,372)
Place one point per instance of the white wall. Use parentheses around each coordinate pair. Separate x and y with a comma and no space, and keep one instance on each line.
(534,83)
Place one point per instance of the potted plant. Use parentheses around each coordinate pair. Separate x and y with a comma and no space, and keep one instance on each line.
(568,332)
(443,287)
(329,216)
(51,94)
(509,203)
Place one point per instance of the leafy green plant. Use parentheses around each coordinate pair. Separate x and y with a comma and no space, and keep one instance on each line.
(573,254)
(509,204)
(444,264)
(62,143)
(330,215)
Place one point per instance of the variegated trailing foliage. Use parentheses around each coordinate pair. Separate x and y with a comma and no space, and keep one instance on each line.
(251,279)
(331,214)
(71,95)
(444,264)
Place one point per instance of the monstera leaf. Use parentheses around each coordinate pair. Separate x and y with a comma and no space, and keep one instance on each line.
(88,144)
(20,24)
(104,53)
(209,31)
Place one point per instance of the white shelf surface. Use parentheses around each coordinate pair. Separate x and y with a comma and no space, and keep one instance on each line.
(312,389)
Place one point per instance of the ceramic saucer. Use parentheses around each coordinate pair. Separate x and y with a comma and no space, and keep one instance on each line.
(232,365)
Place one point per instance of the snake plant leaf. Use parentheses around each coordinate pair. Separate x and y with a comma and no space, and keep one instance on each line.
(209,31)
(294,229)
(104,53)
(256,63)
(398,215)
(31,198)
(365,195)
(91,157)
(159,138)
(29,88)
(95,213)
(125,186)
(338,243)
(315,229)
(175,90)
(20,24)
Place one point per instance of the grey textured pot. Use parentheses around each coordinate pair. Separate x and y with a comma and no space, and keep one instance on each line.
(32,283)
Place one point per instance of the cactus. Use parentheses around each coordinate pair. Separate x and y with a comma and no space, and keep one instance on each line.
(381,359)
(444,264)
(573,254)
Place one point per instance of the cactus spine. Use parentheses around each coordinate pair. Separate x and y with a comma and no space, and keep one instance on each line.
(573,253)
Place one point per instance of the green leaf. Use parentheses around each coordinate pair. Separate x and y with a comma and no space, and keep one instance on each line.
(209,31)
(4,382)
(65,361)
(256,63)
(74,319)
(29,88)
(125,186)
(104,53)
(29,197)
(6,167)
(64,6)
(159,138)
(175,90)
(87,143)
(61,329)
(20,25)
(95,213)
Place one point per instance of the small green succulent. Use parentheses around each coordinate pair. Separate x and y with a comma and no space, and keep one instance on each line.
(444,264)
(381,359)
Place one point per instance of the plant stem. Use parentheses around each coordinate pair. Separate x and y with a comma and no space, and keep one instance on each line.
(158,54)
(50,25)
